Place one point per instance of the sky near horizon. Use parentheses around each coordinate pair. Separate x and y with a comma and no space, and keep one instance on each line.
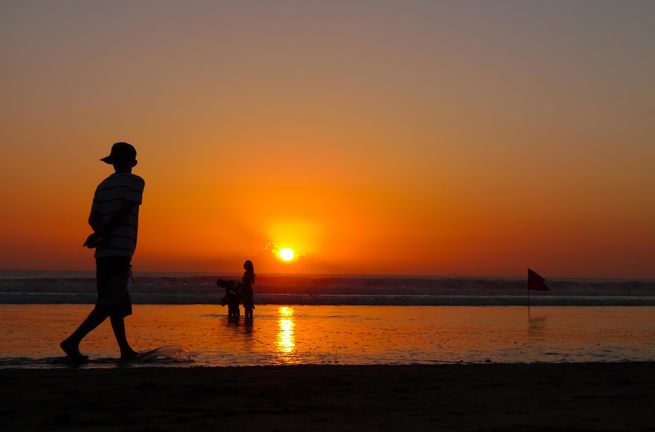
(372,137)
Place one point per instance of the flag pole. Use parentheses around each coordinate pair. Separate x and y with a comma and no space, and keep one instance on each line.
(535,282)
(529,316)
(528,286)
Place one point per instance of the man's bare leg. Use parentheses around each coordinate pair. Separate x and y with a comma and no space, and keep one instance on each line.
(118,325)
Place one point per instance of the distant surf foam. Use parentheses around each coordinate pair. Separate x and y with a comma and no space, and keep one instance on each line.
(79,288)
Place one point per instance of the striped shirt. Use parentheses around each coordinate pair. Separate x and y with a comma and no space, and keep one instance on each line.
(109,198)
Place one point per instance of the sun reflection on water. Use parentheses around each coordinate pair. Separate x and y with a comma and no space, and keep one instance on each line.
(286,338)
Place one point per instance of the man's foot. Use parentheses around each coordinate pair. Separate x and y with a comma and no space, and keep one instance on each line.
(129,355)
(73,352)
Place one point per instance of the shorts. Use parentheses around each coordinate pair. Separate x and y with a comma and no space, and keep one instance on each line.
(112,275)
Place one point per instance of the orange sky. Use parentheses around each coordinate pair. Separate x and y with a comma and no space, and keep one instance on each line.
(428,138)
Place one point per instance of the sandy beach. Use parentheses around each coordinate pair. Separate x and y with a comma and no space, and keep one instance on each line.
(483,397)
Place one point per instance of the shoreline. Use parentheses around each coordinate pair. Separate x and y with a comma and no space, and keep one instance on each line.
(523,397)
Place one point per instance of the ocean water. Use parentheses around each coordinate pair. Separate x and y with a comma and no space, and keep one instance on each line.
(201,335)
(177,321)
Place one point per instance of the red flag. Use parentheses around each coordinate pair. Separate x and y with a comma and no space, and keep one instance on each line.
(536,282)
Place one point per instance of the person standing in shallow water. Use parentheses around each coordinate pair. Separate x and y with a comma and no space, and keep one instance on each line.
(247,284)
(114,219)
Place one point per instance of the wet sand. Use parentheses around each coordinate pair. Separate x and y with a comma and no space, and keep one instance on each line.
(482,397)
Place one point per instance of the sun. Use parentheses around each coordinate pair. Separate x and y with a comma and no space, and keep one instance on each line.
(286,254)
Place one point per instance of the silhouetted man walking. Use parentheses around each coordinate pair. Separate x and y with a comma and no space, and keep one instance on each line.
(114,219)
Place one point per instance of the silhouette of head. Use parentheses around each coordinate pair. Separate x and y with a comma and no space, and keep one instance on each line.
(122,153)
(248,266)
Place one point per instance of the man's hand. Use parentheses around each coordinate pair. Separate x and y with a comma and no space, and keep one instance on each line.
(91,241)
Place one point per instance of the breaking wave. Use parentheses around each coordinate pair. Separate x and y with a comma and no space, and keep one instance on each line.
(79,288)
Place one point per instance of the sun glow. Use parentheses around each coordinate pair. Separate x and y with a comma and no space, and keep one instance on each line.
(286,254)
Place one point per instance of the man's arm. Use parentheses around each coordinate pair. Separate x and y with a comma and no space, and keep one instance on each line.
(102,230)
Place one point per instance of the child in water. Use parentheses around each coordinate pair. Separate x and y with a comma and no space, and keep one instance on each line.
(232,296)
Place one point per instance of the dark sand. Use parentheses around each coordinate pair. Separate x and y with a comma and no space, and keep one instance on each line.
(488,397)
